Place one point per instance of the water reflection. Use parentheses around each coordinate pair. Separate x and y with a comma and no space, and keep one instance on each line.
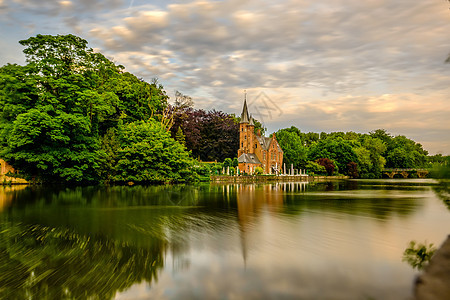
(210,240)
(39,262)
(442,190)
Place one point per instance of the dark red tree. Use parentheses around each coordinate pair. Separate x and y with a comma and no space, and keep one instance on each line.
(328,164)
(210,135)
(352,169)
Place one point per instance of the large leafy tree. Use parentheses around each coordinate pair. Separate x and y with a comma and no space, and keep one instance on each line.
(55,110)
(294,151)
(405,153)
(148,153)
(339,150)
(210,135)
(52,106)
(370,159)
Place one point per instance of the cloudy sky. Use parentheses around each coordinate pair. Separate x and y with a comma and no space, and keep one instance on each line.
(336,65)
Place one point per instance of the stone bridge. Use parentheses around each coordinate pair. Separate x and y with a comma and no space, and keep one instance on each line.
(421,173)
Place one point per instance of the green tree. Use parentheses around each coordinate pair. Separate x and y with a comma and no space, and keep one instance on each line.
(314,168)
(147,153)
(294,151)
(57,112)
(405,153)
(370,160)
(50,128)
(339,150)
(179,137)
(228,162)
(258,171)
(235,162)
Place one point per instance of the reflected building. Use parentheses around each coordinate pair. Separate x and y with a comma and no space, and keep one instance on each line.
(7,193)
(254,199)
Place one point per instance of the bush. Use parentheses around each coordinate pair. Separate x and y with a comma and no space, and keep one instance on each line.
(258,171)
(315,168)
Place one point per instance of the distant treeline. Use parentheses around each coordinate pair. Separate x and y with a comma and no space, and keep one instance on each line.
(353,154)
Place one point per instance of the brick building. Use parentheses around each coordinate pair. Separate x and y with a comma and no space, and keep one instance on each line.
(256,150)
(5,168)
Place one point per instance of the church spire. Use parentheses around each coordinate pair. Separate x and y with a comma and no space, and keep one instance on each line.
(244,115)
(251,121)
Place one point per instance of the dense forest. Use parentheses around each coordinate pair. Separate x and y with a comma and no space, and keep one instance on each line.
(72,115)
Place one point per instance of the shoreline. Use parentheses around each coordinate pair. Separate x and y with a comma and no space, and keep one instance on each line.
(271,178)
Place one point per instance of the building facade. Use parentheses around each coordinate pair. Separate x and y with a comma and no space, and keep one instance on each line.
(5,168)
(256,150)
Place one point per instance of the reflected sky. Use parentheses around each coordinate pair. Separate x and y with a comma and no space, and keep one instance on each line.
(339,240)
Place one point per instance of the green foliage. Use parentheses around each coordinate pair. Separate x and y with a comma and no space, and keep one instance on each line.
(110,145)
(59,114)
(147,153)
(400,151)
(179,137)
(418,255)
(293,150)
(355,154)
(258,171)
(227,162)
(339,150)
(314,168)
(235,162)
(441,170)
(370,159)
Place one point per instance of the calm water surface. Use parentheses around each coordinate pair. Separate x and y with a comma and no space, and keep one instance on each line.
(339,240)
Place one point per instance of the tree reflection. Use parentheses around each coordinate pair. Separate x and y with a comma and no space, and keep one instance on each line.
(442,190)
(418,255)
(39,262)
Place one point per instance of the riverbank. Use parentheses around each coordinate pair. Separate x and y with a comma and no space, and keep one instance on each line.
(434,282)
(272,178)
(7,180)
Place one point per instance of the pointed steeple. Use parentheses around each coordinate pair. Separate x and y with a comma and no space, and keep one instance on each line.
(251,121)
(244,115)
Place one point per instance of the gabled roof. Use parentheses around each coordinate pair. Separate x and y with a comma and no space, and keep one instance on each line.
(264,141)
(249,158)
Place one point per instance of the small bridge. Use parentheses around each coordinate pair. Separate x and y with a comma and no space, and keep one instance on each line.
(421,173)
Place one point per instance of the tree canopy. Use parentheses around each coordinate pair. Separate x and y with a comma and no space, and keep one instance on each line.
(59,112)
(354,154)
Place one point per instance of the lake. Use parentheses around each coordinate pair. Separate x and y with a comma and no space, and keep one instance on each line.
(335,240)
